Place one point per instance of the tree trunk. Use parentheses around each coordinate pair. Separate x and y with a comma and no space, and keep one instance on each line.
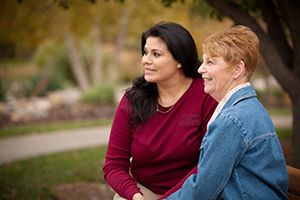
(120,43)
(97,72)
(76,63)
(295,160)
(44,81)
(282,60)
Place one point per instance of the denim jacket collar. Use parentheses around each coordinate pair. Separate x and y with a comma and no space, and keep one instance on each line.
(240,95)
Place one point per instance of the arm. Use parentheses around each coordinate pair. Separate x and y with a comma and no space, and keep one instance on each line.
(179,185)
(222,147)
(117,162)
(138,196)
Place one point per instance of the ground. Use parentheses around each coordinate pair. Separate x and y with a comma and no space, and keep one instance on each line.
(76,191)
(83,191)
(92,191)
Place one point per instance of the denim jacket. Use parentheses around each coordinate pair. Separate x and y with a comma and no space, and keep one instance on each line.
(240,156)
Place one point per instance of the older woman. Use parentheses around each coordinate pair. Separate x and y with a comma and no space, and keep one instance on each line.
(241,157)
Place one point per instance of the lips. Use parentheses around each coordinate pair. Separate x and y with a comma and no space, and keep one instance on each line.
(149,70)
(207,78)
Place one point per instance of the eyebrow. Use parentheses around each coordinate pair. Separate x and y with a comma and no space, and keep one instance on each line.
(153,49)
(161,50)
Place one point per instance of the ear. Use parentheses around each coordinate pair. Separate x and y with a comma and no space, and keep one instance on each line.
(239,69)
(179,65)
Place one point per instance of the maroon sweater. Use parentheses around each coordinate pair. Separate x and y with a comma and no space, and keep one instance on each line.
(164,149)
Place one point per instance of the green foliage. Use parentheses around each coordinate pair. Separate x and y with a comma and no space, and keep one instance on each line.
(41,85)
(55,68)
(65,4)
(201,8)
(99,94)
(279,111)
(36,85)
(3,90)
(33,179)
(127,77)
(284,134)
(275,98)
(55,57)
(168,3)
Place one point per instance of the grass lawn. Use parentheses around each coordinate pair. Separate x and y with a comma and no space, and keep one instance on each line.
(279,111)
(33,178)
(17,130)
(284,133)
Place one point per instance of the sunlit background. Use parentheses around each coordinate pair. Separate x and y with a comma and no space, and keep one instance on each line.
(64,64)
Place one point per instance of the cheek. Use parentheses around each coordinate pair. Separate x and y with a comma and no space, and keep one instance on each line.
(220,82)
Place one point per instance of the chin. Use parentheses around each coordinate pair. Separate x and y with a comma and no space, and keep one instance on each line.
(149,79)
(206,90)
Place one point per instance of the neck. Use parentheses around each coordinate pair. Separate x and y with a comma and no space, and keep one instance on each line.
(230,87)
(169,93)
(232,90)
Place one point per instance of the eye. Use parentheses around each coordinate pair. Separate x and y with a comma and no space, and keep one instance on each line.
(156,54)
(209,62)
(145,52)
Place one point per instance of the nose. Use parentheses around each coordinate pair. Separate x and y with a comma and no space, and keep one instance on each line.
(145,58)
(201,69)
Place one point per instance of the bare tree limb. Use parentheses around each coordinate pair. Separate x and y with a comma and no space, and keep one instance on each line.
(276,30)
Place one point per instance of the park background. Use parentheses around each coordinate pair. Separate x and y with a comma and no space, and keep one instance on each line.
(64,64)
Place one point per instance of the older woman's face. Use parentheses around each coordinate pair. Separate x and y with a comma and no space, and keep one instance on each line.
(217,75)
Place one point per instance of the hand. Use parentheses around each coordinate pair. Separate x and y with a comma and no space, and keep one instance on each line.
(138,196)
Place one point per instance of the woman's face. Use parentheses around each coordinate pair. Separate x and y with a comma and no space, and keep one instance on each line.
(159,64)
(217,75)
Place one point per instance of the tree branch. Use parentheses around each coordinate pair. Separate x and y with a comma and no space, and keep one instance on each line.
(276,31)
(237,14)
(291,14)
(269,51)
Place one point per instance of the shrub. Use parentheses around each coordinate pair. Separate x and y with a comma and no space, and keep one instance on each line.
(53,59)
(100,94)
(3,90)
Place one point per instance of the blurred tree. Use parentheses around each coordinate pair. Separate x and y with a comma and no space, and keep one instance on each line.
(77,63)
(97,66)
(123,25)
(103,36)
(25,24)
(275,22)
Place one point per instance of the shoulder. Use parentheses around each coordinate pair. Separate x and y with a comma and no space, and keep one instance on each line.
(197,91)
(197,86)
(250,116)
(198,81)
(123,104)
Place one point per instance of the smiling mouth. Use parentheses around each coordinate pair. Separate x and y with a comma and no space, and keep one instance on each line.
(207,79)
(149,70)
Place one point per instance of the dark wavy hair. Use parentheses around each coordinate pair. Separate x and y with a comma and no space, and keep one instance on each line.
(143,95)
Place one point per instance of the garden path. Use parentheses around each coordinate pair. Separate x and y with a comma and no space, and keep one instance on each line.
(34,145)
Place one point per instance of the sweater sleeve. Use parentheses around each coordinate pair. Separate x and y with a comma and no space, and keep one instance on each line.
(117,161)
(179,184)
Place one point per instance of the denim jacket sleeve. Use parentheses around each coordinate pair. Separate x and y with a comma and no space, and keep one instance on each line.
(221,149)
